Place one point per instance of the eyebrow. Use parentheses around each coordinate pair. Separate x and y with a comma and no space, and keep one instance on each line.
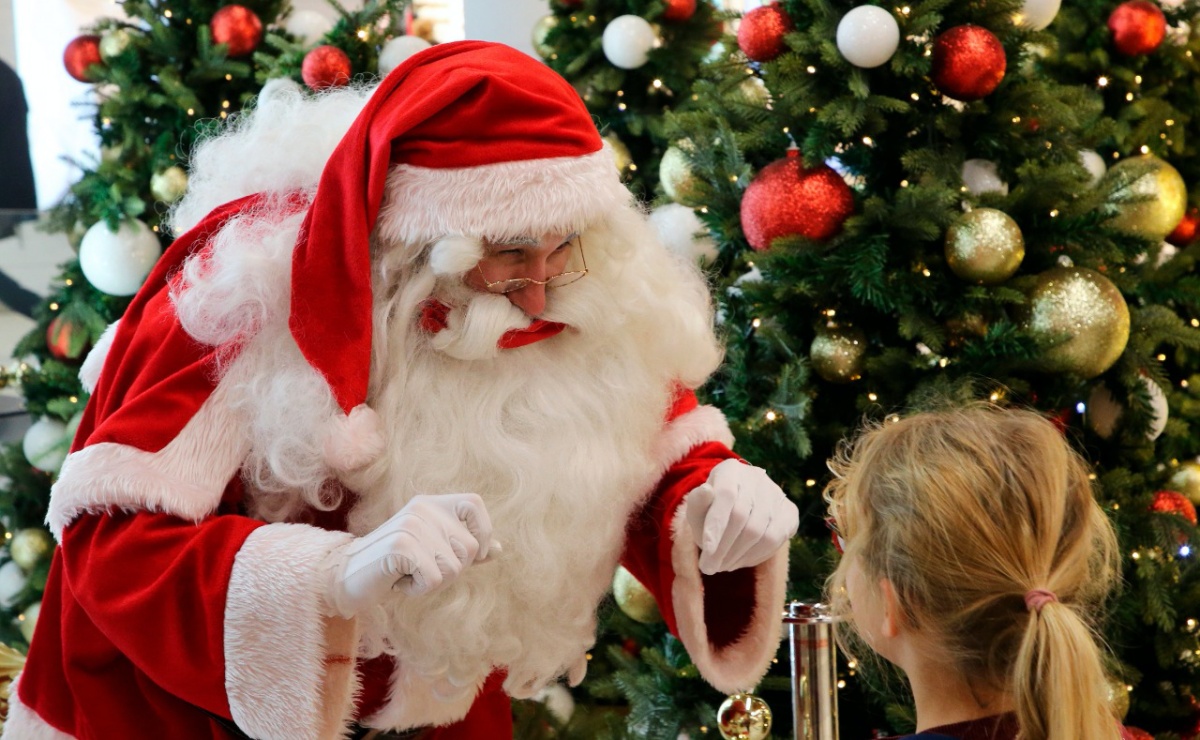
(528,241)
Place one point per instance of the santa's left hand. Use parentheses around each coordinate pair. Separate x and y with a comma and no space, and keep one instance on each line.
(739,517)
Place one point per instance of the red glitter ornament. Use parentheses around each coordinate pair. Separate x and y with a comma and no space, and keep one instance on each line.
(968,62)
(81,53)
(1138,27)
(760,35)
(65,340)
(1185,233)
(237,27)
(325,66)
(679,10)
(1174,502)
(786,199)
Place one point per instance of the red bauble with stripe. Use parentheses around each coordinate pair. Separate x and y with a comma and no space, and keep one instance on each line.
(1174,502)
(968,62)
(325,66)
(760,35)
(82,52)
(1137,27)
(789,199)
(238,28)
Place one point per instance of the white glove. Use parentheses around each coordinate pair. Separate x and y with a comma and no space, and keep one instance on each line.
(424,545)
(739,517)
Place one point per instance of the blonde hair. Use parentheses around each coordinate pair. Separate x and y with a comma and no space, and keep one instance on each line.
(965,512)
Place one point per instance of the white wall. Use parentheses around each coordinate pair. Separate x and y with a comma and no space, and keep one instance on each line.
(508,22)
(8,49)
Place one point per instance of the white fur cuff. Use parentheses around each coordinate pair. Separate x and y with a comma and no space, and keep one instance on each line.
(701,424)
(22,723)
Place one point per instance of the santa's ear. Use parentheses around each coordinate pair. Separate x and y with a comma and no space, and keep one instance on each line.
(454,255)
(894,619)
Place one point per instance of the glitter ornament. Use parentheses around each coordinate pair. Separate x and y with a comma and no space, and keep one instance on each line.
(1036,15)
(28,620)
(627,41)
(45,444)
(744,717)
(1094,164)
(238,28)
(868,36)
(170,184)
(81,53)
(682,232)
(981,176)
(1174,502)
(787,199)
(1185,233)
(984,247)
(541,30)
(1137,27)
(117,262)
(65,339)
(760,34)
(1186,480)
(324,67)
(837,353)
(397,50)
(678,10)
(1152,205)
(968,62)
(1104,411)
(633,598)
(1118,697)
(308,26)
(29,546)
(115,42)
(675,174)
(1080,318)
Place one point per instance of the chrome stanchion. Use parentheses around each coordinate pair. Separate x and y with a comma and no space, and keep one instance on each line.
(811,637)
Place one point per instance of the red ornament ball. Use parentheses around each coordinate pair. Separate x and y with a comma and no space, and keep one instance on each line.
(968,62)
(679,10)
(65,340)
(787,199)
(1137,26)
(325,66)
(1185,233)
(1137,733)
(760,35)
(81,53)
(238,27)
(1174,502)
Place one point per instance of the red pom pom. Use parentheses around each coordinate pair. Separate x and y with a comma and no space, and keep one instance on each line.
(786,199)
(1185,233)
(760,36)
(1174,502)
(1138,27)
(81,53)
(679,10)
(238,27)
(325,66)
(968,62)
(65,340)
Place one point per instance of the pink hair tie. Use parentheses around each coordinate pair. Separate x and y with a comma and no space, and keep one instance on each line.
(1037,598)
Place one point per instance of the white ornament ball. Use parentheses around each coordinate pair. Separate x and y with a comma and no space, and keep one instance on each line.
(29,619)
(981,176)
(558,701)
(682,231)
(170,184)
(868,36)
(627,41)
(118,263)
(308,26)
(45,444)
(12,582)
(1037,14)
(1094,164)
(1104,412)
(113,43)
(397,50)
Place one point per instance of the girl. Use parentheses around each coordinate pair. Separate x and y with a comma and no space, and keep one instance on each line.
(975,557)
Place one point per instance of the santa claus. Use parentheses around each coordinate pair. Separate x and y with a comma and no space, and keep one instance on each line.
(367,447)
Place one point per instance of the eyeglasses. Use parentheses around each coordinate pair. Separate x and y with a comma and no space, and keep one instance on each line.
(838,541)
(555,281)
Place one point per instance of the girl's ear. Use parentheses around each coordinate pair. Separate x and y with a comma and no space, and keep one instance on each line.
(894,620)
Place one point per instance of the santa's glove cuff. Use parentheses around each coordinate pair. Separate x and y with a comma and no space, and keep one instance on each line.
(739,517)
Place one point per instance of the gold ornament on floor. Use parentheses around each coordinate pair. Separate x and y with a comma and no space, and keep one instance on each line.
(1081,318)
(29,546)
(985,246)
(634,599)
(837,353)
(1186,480)
(541,30)
(1118,697)
(675,173)
(744,717)
(1152,205)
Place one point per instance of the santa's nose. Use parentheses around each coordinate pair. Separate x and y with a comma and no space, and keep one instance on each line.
(531,299)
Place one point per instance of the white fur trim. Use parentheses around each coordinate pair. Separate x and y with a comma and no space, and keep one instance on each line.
(742,664)
(22,723)
(414,701)
(354,440)
(701,424)
(89,371)
(277,638)
(186,478)
(523,198)
(454,255)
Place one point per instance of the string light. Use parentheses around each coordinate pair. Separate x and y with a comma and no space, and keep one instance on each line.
(191,111)
(620,93)
(1054,213)
(1016,119)
(74,399)
(868,141)
(657,84)
(53,306)
(228,77)
(1102,82)
(224,103)
(1080,407)
(1183,383)
(1145,149)
(1137,79)
(771,416)
(620,106)
(872,397)
(915,97)
(1170,121)
(1129,97)
(810,482)
(906,10)
(1162,358)
(812,70)
(1136,555)
(756,323)
(69,282)
(632,167)
(166,14)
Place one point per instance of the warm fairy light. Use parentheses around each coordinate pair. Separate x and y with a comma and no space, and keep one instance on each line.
(841,684)
(1145,149)
(787,129)
(695,96)
(1137,79)
(1129,97)
(224,103)
(53,306)
(620,93)
(657,84)
(1183,383)
(915,97)
(620,106)
(632,167)
(756,323)
(733,178)
(942,363)
(771,416)
(906,10)
(994,397)
(1170,121)
(228,77)
(74,399)
(1080,408)
(1016,119)
(812,70)
(362,34)
(904,183)
(872,397)
(894,418)
(1195,322)
(704,209)
(1091,476)
(191,111)
(1162,358)
(1054,213)
(810,482)
(868,141)
(1136,555)
(830,312)
(106,121)
(1102,82)
(154,229)
(69,282)
(1191,624)
(925,271)
(1116,155)
(166,14)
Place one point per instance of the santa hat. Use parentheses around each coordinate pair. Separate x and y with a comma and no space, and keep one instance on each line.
(480,140)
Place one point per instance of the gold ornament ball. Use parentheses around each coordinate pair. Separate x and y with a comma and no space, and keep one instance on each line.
(29,546)
(115,42)
(621,153)
(541,30)
(838,352)
(170,184)
(1152,205)
(1186,480)
(675,174)
(1081,319)
(1118,697)
(985,246)
(28,620)
(634,599)
(744,717)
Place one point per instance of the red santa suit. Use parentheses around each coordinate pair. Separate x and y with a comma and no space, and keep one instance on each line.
(173,610)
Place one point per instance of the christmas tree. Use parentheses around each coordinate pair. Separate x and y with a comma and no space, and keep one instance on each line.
(161,76)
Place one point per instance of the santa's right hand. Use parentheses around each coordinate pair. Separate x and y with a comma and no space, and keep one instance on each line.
(425,545)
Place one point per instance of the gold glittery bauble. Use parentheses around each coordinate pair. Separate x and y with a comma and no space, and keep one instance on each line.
(621,153)
(1152,205)
(837,353)
(1081,319)
(170,184)
(1118,697)
(985,246)
(1186,480)
(744,717)
(29,546)
(634,599)
(541,30)
(27,622)
(677,177)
